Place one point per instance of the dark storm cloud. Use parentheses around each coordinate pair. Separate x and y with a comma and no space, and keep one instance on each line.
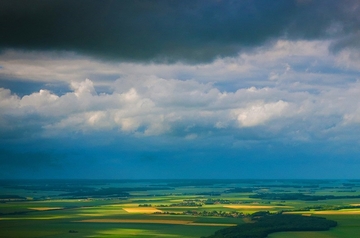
(170,30)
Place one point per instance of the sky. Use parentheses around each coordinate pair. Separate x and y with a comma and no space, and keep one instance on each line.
(200,89)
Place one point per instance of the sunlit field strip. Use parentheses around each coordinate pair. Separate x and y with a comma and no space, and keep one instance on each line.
(45,208)
(141,210)
(173,222)
(328,212)
(254,207)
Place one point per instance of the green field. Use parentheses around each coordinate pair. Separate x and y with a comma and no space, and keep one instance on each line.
(180,208)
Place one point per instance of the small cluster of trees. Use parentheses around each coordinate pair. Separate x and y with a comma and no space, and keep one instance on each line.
(200,203)
(217,201)
(7,198)
(234,214)
(169,213)
(182,204)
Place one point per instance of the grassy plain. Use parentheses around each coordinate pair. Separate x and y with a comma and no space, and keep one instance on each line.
(175,208)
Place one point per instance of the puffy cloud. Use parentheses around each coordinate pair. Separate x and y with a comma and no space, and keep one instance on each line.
(281,87)
(260,112)
(38,100)
(186,108)
(7,100)
(84,87)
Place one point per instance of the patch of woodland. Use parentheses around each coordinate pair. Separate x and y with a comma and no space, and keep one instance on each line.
(264,223)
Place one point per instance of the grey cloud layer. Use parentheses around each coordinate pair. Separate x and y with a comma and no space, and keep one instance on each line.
(289,106)
(283,92)
(144,111)
(193,31)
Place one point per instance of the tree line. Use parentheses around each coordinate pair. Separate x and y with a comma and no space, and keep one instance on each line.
(266,223)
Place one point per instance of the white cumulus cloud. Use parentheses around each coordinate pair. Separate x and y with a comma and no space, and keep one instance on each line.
(260,112)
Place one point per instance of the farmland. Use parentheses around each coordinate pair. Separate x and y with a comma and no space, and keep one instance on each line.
(170,208)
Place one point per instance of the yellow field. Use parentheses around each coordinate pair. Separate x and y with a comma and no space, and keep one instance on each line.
(306,214)
(141,210)
(339,212)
